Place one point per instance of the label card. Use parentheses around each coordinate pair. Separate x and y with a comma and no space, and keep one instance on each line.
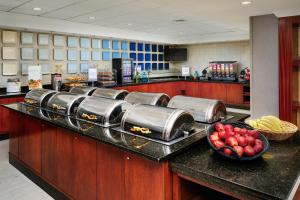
(34,77)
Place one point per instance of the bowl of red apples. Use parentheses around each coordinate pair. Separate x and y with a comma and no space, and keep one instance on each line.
(237,141)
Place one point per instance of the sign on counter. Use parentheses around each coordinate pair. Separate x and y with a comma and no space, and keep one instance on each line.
(35,77)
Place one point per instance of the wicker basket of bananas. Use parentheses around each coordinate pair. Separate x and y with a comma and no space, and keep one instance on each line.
(273,128)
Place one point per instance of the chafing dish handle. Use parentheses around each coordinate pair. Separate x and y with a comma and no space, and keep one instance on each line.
(90,117)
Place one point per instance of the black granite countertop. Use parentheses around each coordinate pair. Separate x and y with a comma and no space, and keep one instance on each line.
(165,80)
(271,177)
(11,94)
(149,149)
(24,89)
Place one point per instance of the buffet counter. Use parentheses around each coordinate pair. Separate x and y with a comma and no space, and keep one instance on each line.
(55,154)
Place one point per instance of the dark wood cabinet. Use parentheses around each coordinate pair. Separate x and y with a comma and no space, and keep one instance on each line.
(49,152)
(234,93)
(30,143)
(110,173)
(146,179)
(64,161)
(4,113)
(84,168)
(15,130)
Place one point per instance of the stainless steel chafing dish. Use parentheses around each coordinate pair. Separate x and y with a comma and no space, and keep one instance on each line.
(102,111)
(155,99)
(39,97)
(157,122)
(110,93)
(85,90)
(64,103)
(203,110)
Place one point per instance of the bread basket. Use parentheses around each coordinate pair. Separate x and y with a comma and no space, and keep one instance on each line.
(288,131)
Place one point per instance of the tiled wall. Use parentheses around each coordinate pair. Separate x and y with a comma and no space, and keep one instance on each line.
(71,54)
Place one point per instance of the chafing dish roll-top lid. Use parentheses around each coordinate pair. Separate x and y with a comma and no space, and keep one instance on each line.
(203,110)
(39,97)
(65,103)
(157,122)
(110,93)
(102,111)
(85,90)
(155,99)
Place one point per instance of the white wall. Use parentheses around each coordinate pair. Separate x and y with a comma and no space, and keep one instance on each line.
(199,55)
(265,69)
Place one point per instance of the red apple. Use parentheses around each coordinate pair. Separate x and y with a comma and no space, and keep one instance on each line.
(219,126)
(214,137)
(258,141)
(228,128)
(249,151)
(243,131)
(227,151)
(230,134)
(222,135)
(258,147)
(236,130)
(242,141)
(239,150)
(237,135)
(253,133)
(231,141)
(251,140)
(218,144)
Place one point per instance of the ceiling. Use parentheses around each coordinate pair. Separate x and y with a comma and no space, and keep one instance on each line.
(206,20)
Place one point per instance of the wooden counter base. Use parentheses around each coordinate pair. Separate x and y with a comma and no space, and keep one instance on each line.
(69,165)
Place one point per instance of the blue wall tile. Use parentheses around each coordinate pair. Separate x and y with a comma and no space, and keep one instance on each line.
(124,45)
(154,48)
(140,47)
(115,45)
(140,57)
(147,66)
(125,55)
(133,56)
(161,66)
(116,55)
(106,55)
(160,48)
(160,57)
(141,65)
(154,66)
(147,47)
(132,46)
(105,44)
(154,57)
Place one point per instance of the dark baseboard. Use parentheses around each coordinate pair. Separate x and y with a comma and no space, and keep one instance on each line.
(4,136)
(52,191)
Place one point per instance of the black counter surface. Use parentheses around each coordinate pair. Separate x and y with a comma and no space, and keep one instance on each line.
(271,177)
(165,80)
(24,89)
(149,149)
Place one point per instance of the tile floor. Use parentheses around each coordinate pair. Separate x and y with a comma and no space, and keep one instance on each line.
(13,184)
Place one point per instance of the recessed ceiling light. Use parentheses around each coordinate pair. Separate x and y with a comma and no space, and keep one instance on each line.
(246,2)
(129,24)
(179,20)
(92,18)
(37,9)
